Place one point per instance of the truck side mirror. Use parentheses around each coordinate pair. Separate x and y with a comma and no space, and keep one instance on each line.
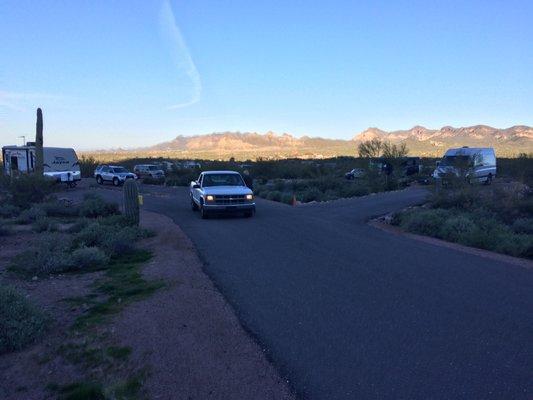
(196,186)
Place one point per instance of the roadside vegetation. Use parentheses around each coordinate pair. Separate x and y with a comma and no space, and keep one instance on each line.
(89,238)
(319,179)
(497,217)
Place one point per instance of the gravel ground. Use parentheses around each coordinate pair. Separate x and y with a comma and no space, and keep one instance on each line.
(187,335)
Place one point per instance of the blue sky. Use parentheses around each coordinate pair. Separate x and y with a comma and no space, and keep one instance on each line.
(134,73)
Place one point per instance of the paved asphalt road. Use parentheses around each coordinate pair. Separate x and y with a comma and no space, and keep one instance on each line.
(347,311)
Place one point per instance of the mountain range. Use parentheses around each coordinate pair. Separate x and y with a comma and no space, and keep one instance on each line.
(419,140)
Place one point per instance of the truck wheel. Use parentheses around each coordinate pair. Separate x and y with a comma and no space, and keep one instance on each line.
(194,206)
(99,180)
(203,213)
(116,182)
(489,180)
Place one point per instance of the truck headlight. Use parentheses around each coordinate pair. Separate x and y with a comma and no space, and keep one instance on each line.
(249,197)
(210,197)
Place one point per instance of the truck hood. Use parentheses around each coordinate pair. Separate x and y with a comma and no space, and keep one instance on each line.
(220,190)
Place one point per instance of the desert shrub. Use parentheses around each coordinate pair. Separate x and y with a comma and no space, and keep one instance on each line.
(5,230)
(153,181)
(21,323)
(44,224)
(94,206)
(48,256)
(311,194)
(115,220)
(354,190)
(121,242)
(455,228)
(78,226)
(88,257)
(274,195)
(28,189)
(9,211)
(58,208)
(516,245)
(279,185)
(523,225)
(87,166)
(90,236)
(287,198)
(426,222)
(114,240)
(31,215)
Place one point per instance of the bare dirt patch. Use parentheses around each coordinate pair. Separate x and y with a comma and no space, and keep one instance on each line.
(187,335)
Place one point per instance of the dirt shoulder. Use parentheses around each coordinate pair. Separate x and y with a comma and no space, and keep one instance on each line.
(187,335)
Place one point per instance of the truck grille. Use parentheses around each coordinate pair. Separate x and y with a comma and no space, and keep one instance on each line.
(230,199)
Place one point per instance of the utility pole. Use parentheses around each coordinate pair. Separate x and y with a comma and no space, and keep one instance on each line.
(23,139)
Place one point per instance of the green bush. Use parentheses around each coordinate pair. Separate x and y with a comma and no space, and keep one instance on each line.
(456,228)
(153,181)
(58,208)
(88,257)
(121,242)
(5,230)
(425,222)
(28,189)
(9,211)
(523,225)
(90,236)
(274,195)
(31,215)
(311,194)
(94,207)
(49,255)
(45,224)
(114,240)
(287,198)
(21,323)
(78,226)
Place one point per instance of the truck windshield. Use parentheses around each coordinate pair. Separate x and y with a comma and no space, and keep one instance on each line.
(222,180)
(456,161)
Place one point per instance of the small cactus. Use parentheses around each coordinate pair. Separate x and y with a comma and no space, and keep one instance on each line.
(131,201)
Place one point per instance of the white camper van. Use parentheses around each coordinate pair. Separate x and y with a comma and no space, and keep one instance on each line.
(60,163)
(473,164)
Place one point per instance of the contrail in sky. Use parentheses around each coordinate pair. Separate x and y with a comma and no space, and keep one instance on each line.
(181,54)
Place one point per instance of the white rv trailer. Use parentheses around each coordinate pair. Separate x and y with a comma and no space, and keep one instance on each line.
(60,163)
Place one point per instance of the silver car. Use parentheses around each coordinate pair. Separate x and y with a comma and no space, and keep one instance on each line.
(112,173)
(221,192)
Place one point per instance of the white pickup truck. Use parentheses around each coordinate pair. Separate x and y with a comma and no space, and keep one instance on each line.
(221,192)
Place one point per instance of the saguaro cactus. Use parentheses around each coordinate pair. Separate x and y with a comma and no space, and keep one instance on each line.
(131,201)
(39,157)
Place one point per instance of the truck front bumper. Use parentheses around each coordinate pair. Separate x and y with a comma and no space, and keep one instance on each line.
(223,208)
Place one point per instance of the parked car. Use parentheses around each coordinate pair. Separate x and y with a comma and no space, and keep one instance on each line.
(221,192)
(473,164)
(60,164)
(355,173)
(112,173)
(149,171)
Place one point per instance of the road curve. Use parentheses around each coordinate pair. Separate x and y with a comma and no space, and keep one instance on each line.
(347,311)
